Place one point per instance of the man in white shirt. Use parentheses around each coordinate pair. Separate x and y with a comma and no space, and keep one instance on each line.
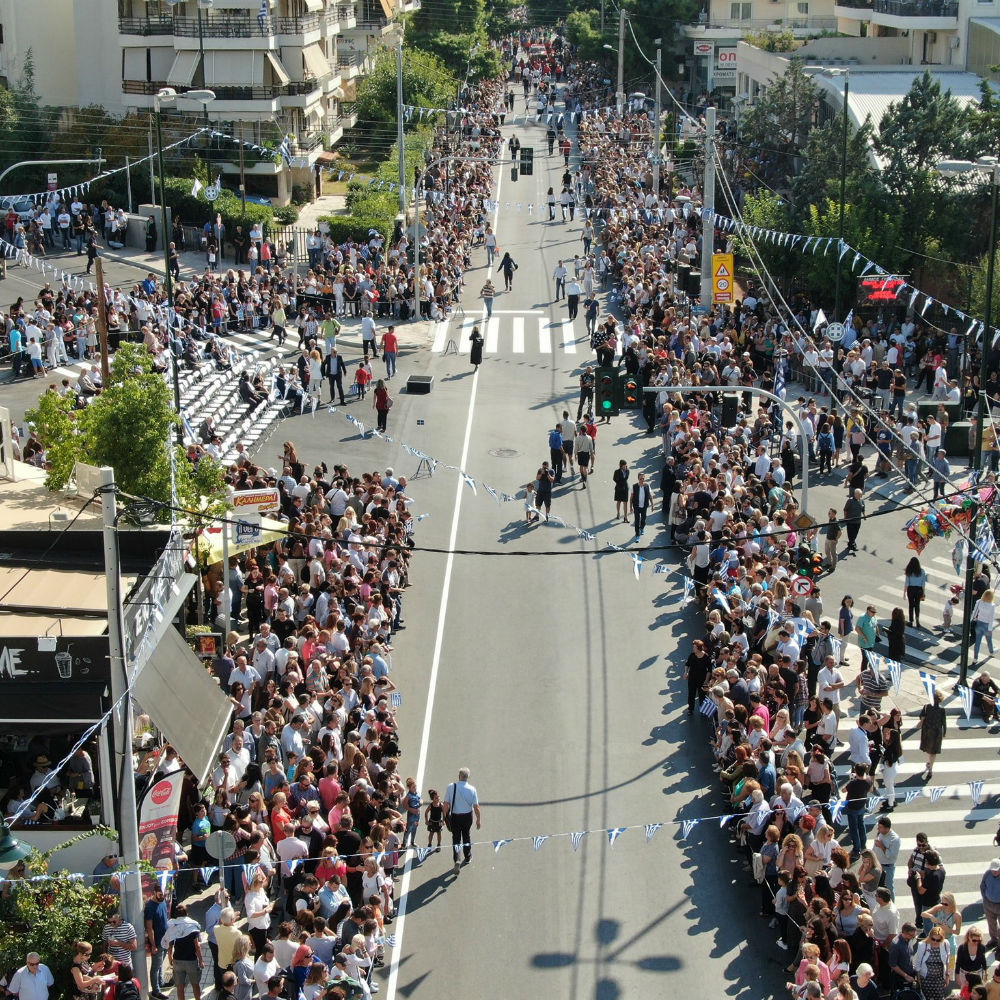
(762,466)
(829,682)
(32,981)
(886,850)
(787,646)
(858,741)
(559,274)
(933,441)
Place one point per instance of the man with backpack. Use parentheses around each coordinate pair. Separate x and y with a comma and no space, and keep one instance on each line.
(127,986)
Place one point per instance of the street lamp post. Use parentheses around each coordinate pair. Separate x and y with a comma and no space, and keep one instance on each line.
(167,95)
(846,73)
(656,121)
(987,165)
(620,92)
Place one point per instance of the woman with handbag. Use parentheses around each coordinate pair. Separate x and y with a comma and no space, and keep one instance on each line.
(931,963)
(381,403)
(914,589)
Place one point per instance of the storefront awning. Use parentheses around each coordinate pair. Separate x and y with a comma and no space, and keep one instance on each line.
(184,702)
(66,703)
(209,546)
(315,62)
(182,72)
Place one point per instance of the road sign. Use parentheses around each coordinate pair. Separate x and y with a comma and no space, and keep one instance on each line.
(835,331)
(722,277)
(704,48)
(247,530)
(801,586)
(805,521)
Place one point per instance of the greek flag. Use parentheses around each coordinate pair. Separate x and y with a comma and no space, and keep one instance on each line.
(687,826)
(720,599)
(285,150)
(986,544)
(395,698)
(614,834)
(708,707)
(293,865)
(872,803)
(976,787)
(538,840)
(937,792)
(966,695)
(651,829)
(688,587)
(499,845)
(207,873)
(929,682)
(835,810)
(779,380)
(576,838)
(250,871)
(422,853)
(661,568)
(913,793)
(723,820)
(895,673)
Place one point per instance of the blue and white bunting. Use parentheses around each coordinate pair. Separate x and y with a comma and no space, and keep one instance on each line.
(687,826)
(422,853)
(207,873)
(976,788)
(937,792)
(723,820)
(636,564)
(499,845)
(872,803)
(835,810)
(613,834)
(538,840)
(688,587)
(913,793)
(576,838)
(651,830)
(395,698)
(661,568)
(929,682)
(965,693)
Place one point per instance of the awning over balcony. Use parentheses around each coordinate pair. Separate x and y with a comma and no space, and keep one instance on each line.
(281,77)
(315,62)
(236,68)
(388,8)
(314,5)
(182,71)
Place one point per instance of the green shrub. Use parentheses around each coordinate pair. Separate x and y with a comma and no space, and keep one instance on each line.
(286,215)
(196,211)
(355,227)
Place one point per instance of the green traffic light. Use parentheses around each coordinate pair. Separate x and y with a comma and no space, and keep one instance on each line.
(605,404)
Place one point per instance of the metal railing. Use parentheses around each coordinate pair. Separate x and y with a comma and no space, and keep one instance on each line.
(236,93)
(309,141)
(917,8)
(762,24)
(162,25)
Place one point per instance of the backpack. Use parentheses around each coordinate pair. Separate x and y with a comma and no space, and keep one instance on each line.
(127,991)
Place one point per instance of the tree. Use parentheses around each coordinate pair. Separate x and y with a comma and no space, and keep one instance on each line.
(49,916)
(128,427)
(456,32)
(583,29)
(427,83)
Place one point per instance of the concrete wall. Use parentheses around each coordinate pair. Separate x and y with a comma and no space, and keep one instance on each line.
(868,51)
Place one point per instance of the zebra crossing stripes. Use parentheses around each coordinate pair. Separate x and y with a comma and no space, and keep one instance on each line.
(961,832)
(507,333)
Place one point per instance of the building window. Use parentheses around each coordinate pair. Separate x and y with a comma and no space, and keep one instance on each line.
(740,11)
(803,8)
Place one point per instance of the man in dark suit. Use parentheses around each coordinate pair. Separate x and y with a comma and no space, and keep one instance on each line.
(334,369)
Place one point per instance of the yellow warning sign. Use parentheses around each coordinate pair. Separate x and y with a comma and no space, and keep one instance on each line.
(722,278)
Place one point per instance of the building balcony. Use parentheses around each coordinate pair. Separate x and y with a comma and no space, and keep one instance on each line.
(348,114)
(353,65)
(715,27)
(145,26)
(379,26)
(297,88)
(904,14)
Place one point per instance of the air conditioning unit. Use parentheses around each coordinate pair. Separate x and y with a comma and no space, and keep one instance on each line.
(931,37)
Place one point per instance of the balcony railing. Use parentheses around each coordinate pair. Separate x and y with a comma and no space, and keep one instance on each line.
(760,24)
(309,141)
(163,25)
(235,24)
(223,93)
(905,8)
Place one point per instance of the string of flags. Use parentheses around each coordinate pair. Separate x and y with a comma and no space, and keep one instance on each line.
(916,300)
(612,835)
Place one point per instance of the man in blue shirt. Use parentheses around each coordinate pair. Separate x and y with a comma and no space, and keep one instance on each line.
(990,889)
(155,921)
(556,451)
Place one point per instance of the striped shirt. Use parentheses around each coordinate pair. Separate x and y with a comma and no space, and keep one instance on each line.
(117,937)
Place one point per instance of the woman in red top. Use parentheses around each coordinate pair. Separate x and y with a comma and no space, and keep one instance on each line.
(381,403)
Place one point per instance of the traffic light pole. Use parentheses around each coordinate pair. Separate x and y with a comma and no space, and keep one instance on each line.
(787,407)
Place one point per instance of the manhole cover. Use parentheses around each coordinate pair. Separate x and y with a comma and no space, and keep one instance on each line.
(503,452)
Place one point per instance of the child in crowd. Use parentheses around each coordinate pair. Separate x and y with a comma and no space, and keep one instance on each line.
(434,818)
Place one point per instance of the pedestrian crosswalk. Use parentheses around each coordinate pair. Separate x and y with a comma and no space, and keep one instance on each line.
(962,832)
(508,334)
(929,646)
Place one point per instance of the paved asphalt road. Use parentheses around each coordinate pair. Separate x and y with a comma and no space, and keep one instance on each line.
(536,659)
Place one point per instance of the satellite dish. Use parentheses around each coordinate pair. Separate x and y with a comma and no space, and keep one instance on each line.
(220,845)
(835,332)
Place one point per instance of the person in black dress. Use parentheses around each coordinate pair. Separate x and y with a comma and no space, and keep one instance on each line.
(696,672)
(620,478)
(476,354)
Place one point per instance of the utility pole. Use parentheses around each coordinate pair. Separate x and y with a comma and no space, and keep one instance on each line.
(152,168)
(243,175)
(128,184)
(843,191)
(102,319)
(657,145)
(399,126)
(708,209)
(602,19)
(128,819)
(620,94)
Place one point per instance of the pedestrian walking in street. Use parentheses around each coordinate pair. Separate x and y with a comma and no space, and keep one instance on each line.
(461,805)
(508,267)
(933,724)
(573,291)
(488,293)
(476,352)
(831,534)
(490,240)
(896,635)
(559,273)
(550,200)
(854,512)
(585,453)
(940,472)
(556,452)
(381,403)
(641,503)
(390,347)
(989,889)
(335,369)
(541,490)
(587,380)
(914,588)
(984,621)
(620,478)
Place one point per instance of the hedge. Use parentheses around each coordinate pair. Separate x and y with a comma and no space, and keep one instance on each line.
(195,211)
(355,227)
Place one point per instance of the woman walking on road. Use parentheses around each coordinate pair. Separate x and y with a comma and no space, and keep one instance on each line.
(933,725)
(488,292)
(913,590)
(620,479)
(584,453)
(983,620)
(896,635)
(476,354)
(508,267)
(381,403)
